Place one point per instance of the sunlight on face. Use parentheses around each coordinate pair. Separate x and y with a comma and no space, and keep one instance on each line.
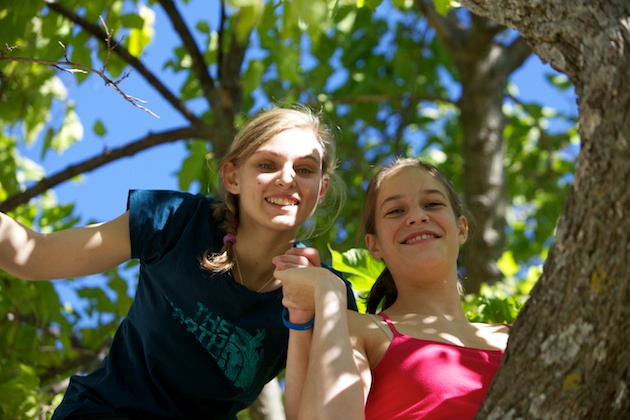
(281,183)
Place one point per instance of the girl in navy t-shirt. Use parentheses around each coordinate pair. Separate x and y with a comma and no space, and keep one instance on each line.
(205,331)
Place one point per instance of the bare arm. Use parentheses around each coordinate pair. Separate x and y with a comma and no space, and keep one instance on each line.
(296,370)
(301,310)
(69,253)
(337,375)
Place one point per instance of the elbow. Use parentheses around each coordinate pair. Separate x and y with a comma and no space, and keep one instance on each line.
(22,273)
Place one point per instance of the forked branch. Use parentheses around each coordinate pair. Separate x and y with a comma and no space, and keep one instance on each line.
(71,67)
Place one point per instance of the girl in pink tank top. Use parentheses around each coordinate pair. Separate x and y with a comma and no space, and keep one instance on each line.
(421,360)
(420,378)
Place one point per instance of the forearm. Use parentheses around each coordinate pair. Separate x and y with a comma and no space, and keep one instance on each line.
(333,386)
(68,253)
(296,370)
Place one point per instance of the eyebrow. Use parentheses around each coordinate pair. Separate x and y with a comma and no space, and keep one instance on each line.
(315,158)
(398,196)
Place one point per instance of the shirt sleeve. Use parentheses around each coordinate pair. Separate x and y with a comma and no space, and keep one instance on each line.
(156,219)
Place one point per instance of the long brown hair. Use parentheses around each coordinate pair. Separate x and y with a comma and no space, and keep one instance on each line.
(257,131)
(384,290)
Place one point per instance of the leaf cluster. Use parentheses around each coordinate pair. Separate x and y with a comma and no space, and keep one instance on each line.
(377,70)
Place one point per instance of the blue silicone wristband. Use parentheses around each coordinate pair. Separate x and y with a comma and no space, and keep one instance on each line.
(299,327)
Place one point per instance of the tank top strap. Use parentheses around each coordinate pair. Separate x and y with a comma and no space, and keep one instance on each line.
(389,323)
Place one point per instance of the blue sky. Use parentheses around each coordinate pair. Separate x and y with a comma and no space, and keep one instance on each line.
(101,194)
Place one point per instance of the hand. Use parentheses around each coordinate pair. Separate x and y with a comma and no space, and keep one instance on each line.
(299,301)
(297,257)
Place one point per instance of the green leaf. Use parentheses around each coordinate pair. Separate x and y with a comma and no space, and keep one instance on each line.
(140,36)
(71,131)
(247,18)
(99,128)
(445,6)
(194,167)
(133,20)
(507,265)
(363,270)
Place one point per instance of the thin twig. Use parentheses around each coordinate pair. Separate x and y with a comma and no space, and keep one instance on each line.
(73,68)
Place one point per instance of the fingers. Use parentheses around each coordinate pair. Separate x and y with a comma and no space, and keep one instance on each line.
(297,257)
(311,254)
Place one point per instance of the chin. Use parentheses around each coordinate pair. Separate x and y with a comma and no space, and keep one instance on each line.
(285,222)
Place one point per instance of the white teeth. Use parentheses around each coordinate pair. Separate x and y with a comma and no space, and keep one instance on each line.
(282,201)
(419,238)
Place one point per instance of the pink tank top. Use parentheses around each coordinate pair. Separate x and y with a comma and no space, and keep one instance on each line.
(425,379)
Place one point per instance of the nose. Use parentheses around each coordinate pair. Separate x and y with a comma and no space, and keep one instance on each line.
(417,215)
(286,177)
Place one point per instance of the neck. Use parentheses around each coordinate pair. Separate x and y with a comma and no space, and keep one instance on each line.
(429,296)
(448,310)
(253,267)
(263,243)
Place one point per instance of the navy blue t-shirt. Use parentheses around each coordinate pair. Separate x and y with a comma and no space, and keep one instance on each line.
(194,344)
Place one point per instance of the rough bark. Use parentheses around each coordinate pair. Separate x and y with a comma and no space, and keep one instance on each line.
(568,354)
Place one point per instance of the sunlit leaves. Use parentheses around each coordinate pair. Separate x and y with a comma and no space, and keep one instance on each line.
(499,303)
(247,17)
(371,4)
(359,268)
(386,83)
(195,167)
(444,6)
(559,80)
(141,29)
(18,387)
(539,165)
(71,131)
(8,170)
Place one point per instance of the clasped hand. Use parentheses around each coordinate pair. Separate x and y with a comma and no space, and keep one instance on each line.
(302,277)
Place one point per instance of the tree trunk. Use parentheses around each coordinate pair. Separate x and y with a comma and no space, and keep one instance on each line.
(484,66)
(568,355)
(269,404)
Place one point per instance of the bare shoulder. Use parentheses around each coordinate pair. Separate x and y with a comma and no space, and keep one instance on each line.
(496,335)
(359,322)
(369,335)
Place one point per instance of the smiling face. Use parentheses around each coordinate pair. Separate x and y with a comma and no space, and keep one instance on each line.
(414,221)
(281,183)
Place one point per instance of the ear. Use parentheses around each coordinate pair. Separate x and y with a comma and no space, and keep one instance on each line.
(373,246)
(323,188)
(229,173)
(462,227)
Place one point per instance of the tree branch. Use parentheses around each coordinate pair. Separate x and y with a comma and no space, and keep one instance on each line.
(199,66)
(358,99)
(449,34)
(130,59)
(80,68)
(87,360)
(516,53)
(106,157)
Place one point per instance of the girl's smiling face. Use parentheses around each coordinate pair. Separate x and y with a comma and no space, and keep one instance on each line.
(414,221)
(280,185)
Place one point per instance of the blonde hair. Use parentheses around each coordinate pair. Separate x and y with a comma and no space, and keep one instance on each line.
(256,132)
